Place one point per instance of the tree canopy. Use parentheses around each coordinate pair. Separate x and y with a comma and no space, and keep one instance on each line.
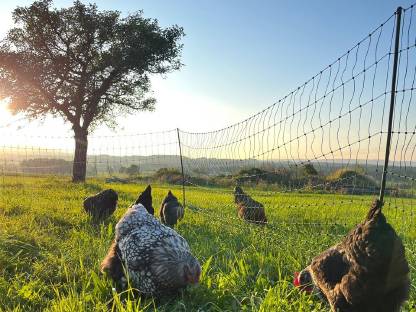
(85,65)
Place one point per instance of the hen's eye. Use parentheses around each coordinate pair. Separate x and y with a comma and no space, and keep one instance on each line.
(305,278)
(186,270)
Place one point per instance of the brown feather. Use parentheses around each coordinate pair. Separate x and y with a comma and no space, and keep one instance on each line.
(249,209)
(367,271)
(112,264)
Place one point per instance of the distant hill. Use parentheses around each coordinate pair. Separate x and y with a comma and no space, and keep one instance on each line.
(57,162)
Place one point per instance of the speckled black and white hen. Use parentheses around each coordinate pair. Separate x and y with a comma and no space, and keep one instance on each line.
(155,258)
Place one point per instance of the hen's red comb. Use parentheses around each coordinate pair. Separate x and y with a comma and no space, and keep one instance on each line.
(296,281)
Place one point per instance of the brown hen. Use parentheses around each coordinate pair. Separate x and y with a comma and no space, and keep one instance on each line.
(249,209)
(366,272)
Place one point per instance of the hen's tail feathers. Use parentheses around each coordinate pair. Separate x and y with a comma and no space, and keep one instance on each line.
(375,210)
(145,195)
(238,191)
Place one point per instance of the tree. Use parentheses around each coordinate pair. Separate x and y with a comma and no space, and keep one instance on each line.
(84,65)
(309,170)
(133,170)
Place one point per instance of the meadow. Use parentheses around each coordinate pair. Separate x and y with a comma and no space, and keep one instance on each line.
(50,251)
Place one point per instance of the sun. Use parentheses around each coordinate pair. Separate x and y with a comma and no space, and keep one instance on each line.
(5,114)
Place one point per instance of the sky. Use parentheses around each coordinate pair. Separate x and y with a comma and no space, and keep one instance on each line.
(240,56)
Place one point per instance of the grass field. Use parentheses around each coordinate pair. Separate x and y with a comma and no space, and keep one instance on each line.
(50,251)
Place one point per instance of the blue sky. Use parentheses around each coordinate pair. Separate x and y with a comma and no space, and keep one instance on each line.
(239,56)
(250,53)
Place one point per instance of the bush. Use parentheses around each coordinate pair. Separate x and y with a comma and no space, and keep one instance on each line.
(351,181)
(132,170)
(281,176)
(168,175)
(309,170)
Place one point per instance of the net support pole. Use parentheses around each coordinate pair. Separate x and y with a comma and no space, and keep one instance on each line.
(392,102)
(183,174)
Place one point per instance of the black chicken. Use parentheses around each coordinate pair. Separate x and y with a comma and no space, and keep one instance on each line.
(145,198)
(366,272)
(171,210)
(101,205)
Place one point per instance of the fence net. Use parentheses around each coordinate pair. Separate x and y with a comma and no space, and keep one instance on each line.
(317,154)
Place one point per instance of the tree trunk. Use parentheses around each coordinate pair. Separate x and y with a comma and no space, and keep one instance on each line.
(79,170)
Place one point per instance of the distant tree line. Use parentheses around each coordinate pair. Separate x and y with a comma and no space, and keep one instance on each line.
(132,170)
(46,166)
(346,180)
(304,178)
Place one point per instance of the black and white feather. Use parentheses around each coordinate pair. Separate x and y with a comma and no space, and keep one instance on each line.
(154,257)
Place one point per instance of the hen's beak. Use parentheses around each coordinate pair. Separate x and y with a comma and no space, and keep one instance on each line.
(193,279)
(303,281)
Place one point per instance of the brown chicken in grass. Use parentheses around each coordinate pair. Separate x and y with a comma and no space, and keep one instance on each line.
(366,272)
(249,209)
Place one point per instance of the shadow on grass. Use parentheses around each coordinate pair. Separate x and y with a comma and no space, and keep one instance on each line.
(18,252)
(93,188)
(14,211)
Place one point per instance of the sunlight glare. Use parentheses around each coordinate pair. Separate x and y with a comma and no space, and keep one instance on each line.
(5,114)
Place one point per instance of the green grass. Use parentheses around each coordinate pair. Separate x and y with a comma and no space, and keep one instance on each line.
(50,252)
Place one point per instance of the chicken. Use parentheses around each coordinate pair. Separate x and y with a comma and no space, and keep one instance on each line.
(101,205)
(249,209)
(145,198)
(171,210)
(366,272)
(154,257)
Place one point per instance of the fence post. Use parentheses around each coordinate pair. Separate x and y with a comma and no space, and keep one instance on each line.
(183,174)
(392,100)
